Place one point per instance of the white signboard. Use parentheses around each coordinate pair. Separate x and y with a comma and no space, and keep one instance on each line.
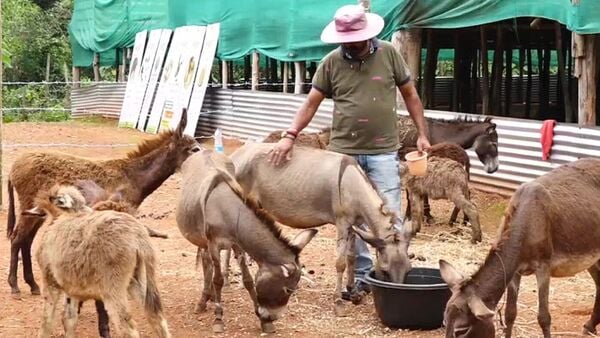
(157,64)
(179,97)
(129,114)
(167,79)
(204,68)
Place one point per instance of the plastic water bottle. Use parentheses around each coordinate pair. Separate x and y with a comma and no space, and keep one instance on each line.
(219,141)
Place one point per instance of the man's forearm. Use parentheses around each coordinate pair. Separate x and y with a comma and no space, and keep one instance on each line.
(415,109)
(307,110)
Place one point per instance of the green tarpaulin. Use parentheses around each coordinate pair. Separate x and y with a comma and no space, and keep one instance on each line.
(289,30)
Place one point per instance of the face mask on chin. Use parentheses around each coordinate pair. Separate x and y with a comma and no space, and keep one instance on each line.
(355,49)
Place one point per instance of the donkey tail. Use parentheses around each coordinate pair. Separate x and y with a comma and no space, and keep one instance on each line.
(12,218)
(145,285)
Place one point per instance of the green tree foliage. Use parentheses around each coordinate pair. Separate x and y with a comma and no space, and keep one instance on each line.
(33,32)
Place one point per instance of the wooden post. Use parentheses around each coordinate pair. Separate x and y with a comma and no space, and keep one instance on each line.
(76,77)
(485,91)
(456,81)
(247,69)
(562,74)
(285,76)
(300,70)
(429,72)
(529,84)
(48,63)
(521,70)
(66,72)
(123,65)
(408,43)
(508,80)
(96,67)
(495,101)
(230,67)
(255,70)
(545,97)
(224,73)
(586,70)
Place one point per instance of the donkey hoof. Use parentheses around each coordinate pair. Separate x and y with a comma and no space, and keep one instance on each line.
(476,238)
(267,327)
(36,291)
(340,309)
(16,295)
(588,330)
(200,307)
(218,327)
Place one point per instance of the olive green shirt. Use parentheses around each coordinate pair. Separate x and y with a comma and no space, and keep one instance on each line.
(364,96)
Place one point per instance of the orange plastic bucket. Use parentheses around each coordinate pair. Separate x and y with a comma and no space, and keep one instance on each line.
(417,163)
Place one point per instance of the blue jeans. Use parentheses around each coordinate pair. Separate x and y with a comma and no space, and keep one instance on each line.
(383,170)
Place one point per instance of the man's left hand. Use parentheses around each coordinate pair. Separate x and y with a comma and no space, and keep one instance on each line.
(423,143)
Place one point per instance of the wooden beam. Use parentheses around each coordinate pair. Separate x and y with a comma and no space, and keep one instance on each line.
(255,70)
(588,74)
(562,74)
(285,76)
(485,91)
(300,71)
(224,74)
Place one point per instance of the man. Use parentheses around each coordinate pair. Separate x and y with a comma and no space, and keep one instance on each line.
(361,76)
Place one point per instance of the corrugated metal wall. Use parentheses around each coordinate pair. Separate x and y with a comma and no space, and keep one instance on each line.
(103,99)
(252,115)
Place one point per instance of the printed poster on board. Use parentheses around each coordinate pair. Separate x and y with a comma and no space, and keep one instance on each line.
(167,79)
(181,91)
(157,64)
(128,116)
(204,69)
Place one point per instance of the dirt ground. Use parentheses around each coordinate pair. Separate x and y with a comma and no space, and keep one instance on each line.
(310,311)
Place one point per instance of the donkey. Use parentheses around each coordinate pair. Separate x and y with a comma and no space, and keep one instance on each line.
(551,228)
(318,140)
(113,257)
(140,173)
(450,151)
(465,131)
(213,213)
(445,178)
(301,196)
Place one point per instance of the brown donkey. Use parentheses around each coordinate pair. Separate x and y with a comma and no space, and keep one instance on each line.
(113,258)
(551,228)
(138,174)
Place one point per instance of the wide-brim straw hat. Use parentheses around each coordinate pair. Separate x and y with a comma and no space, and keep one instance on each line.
(351,24)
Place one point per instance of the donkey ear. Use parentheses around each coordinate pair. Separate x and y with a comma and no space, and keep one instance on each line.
(34,212)
(450,275)
(182,123)
(368,237)
(491,128)
(303,238)
(479,309)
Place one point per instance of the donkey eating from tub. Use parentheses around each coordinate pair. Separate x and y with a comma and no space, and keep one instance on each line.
(551,228)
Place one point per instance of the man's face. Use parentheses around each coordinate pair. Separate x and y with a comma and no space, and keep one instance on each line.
(356,49)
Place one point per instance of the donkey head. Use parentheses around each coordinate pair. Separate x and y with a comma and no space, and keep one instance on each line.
(181,146)
(486,148)
(392,262)
(466,314)
(275,283)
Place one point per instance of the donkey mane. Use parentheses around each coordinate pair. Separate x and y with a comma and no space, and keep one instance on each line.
(464,119)
(263,215)
(149,145)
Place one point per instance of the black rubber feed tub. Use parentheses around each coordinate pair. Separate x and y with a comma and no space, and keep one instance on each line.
(417,304)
